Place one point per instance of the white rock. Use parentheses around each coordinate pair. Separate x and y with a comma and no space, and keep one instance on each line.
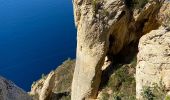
(9,91)
(153,60)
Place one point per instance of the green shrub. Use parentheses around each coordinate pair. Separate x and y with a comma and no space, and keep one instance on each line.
(117,98)
(147,93)
(140,3)
(167,98)
(154,93)
(105,96)
(95,4)
(120,82)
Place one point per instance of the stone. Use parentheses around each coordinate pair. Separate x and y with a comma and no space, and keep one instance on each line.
(9,91)
(56,84)
(153,66)
(104,28)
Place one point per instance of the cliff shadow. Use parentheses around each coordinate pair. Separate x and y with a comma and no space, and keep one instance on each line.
(127,56)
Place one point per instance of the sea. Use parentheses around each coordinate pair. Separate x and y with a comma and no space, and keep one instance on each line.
(36,36)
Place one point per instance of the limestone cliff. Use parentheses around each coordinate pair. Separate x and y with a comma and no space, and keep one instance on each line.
(9,91)
(123,53)
(109,33)
(153,57)
(105,27)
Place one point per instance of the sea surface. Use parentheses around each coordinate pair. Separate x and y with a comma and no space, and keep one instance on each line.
(35,37)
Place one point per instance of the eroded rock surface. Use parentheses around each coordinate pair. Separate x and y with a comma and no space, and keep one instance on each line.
(104,28)
(56,85)
(9,91)
(153,60)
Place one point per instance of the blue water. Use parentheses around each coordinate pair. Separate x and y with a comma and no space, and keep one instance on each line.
(35,37)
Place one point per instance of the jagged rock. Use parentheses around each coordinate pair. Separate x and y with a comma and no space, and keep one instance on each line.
(9,91)
(48,86)
(104,28)
(164,14)
(56,85)
(153,60)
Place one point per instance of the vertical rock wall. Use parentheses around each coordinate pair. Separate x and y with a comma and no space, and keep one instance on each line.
(92,45)
(104,27)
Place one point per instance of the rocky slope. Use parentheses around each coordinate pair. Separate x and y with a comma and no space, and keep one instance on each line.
(56,85)
(9,91)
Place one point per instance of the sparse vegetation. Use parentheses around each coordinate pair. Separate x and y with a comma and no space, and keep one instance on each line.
(105,96)
(105,12)
(147,93)
(119,83)
(167,98)
(95,4)
(154,93)
(139,3)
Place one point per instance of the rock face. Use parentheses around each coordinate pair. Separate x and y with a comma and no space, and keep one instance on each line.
(164,14)
(44,87)
(104,28)
(153,60)
(9,91)
(56,85)
(153,57)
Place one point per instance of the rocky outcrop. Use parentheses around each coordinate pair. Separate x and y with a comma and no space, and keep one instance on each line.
(43,88)
(108,32)
(153,60)
(164,14)
(104,28)
(9,91)
(153,57)
(56,85)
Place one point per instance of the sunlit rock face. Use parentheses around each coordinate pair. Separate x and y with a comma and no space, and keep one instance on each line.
(104,27)
(153,65)
(153,61)
(56,85)
(9,91)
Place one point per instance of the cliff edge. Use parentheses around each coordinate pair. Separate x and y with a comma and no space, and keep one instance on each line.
(123,53)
